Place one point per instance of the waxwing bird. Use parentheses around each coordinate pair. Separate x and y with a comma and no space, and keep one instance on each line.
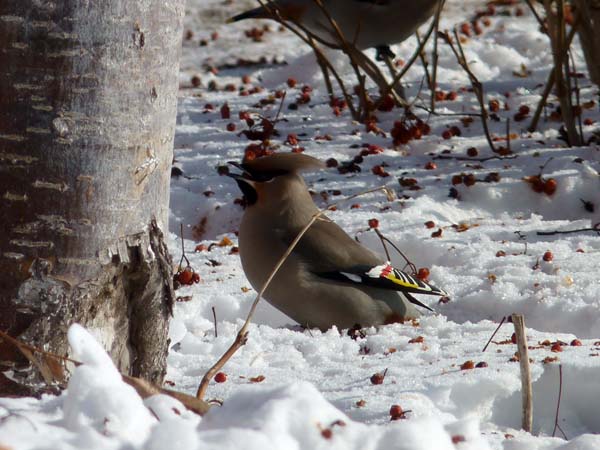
(365,23)
(329,278)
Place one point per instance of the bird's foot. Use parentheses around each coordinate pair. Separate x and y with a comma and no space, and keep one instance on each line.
(384,52)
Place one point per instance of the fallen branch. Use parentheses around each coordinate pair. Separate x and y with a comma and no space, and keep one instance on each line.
(468,158)
(144,388)
(595,228)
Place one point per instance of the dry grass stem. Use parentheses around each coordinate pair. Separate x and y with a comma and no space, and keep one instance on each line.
(526,385)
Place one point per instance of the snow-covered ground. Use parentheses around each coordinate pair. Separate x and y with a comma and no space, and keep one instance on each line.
(290,388)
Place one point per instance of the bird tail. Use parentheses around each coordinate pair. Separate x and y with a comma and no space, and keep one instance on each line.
(256,13)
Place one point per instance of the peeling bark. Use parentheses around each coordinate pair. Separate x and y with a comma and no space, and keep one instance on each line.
(87,118)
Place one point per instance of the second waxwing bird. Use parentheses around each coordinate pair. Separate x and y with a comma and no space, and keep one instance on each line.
(365,23)
(329,278)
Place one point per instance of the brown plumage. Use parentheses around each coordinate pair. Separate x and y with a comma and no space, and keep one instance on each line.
(328,278)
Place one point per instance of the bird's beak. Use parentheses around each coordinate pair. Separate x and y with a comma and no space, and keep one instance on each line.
(244,177)
(246,183)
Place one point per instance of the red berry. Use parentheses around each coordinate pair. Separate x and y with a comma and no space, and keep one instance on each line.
(225,111)
(447,134)
(556,348)
(396,412)
(467,365)
(377,378)
(186,276)
(430,224)
(221,377)
(373,223)
(379,170)
(457,179)
(513,338)
(331,162)
(550,186)
(231,126)
(465,28)
(291,82)
(548,256)
(469,179)
(423,274)
(292,139)
(472,152)
(494,105)
(327,433)
(576,343)
(196,81)
(430,166)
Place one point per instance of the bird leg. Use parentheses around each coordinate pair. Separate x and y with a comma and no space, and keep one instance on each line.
(385,54)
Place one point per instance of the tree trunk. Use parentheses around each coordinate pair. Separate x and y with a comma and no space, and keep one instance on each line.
(87,117)
(589,35)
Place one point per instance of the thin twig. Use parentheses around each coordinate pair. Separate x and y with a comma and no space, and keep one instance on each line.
(508,134)
(215,321)
(493,334)
(551,80)
(595,228)
(308,38)
(435,54)
(242,335)
(541,22)
(468,158)
(560,384)
(475,83)
(382,239)
(424,62)
(182,248)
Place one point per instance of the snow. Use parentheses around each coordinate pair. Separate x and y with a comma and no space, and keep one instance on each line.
(316,391)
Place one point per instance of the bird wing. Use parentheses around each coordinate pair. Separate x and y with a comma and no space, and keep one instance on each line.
(347,261)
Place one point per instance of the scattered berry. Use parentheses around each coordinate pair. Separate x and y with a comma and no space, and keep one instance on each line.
(377,378)
(548,256)
(467,365)
(556,348)
(397,413)
(423,274)
(373,223)
(550,186)
(221,377)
